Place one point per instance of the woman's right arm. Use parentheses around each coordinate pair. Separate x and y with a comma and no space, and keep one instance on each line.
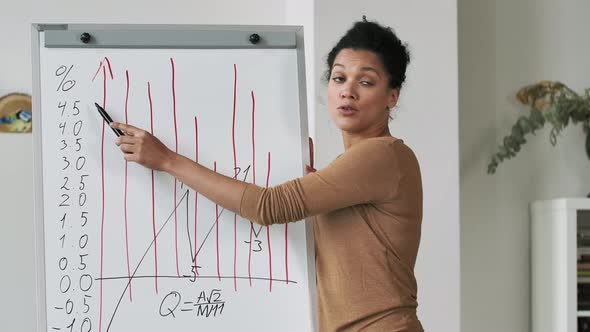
(145,149)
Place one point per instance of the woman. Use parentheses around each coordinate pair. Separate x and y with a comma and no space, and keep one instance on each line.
(367,202)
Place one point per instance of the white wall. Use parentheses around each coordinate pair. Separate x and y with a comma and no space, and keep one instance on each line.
(16,180)
(302,12)
(427,120)
(16,239)
(505,45)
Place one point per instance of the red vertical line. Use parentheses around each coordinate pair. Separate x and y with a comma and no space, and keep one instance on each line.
(235,250)
(254,182)
(250,256)
(253,145)
(153,194)
(100,65)
(196,193)
(104,101)
(109,64)
(175,180)
(268,232)
(286,254)
(126,180)
(217,228)
(233,137)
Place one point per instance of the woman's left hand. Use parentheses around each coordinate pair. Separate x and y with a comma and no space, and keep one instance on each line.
(309,168)
(143,148)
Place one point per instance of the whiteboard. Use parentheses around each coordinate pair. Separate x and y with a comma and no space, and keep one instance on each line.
(124,248)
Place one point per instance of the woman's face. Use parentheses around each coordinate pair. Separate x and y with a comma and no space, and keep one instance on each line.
(359,96)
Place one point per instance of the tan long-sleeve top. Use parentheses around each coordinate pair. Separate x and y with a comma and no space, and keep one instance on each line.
(368,208)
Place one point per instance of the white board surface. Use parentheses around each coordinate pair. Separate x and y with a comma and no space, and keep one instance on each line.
(125,248)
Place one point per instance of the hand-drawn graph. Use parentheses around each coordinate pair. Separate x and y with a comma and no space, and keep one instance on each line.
(136,248)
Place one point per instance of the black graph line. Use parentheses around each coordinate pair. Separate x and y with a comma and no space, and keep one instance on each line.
(188,232)
(256,234)
(183,198)
(197,277)
(188,235)
(207,236)
(133,276)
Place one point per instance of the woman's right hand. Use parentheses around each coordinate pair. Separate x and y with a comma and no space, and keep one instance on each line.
(143,148)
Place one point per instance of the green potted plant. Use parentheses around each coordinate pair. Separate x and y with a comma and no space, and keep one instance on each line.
(548,101)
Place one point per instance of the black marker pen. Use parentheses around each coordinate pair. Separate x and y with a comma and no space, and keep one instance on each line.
(107,119)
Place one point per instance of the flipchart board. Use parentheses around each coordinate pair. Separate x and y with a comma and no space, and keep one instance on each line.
(124,248)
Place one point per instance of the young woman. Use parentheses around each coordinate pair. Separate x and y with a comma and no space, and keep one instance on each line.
(367,202)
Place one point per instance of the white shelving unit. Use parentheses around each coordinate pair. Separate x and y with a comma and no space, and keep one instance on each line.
(555,225)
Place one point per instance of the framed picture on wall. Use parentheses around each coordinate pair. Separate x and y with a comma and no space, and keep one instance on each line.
(15,113)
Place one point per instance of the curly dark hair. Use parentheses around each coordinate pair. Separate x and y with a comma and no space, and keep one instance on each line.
(371,36)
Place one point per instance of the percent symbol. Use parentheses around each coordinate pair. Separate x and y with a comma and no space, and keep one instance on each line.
(65,84)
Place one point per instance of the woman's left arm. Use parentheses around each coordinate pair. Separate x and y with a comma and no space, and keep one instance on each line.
(145,149)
